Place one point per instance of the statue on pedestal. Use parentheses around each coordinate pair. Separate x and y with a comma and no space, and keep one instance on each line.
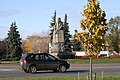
(58,36)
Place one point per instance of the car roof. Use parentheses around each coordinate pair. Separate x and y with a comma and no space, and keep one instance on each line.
(37,53)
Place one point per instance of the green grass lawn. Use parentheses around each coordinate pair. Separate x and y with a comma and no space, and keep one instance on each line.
(63,78)
(95,61)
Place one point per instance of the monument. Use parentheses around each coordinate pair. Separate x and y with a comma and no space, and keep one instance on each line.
(57,38)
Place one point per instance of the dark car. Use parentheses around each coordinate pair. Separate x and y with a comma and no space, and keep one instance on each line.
(31,63)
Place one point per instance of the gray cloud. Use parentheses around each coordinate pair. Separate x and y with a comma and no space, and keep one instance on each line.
(6,13)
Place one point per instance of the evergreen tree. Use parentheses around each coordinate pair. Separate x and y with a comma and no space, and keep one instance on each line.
(14,49)
(52,24)
(67,36)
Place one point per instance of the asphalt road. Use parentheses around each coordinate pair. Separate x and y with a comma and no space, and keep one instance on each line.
(13,71)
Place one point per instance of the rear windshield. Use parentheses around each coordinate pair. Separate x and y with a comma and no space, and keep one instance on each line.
(23,56)
(30,57)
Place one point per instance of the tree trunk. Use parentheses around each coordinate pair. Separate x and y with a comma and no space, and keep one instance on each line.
(90,67)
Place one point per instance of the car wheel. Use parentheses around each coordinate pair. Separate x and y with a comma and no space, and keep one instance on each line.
(26,71)
(32,69)
(62,68)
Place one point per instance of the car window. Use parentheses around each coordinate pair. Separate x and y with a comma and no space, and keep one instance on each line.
(30,57)
(39,57)
(42,57)
(48,57)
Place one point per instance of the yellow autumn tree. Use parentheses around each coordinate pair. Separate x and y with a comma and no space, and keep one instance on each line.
(35,44)
(94,26)
(27,44)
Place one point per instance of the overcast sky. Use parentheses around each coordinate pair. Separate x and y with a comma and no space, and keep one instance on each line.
(34,16)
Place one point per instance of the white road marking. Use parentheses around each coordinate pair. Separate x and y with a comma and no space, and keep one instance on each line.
(8,69)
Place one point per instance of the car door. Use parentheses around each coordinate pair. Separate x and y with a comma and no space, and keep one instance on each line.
(40,61)
(51,62)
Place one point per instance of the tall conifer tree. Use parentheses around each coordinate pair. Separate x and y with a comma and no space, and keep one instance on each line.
(52,24)
(14,49)
(67,36)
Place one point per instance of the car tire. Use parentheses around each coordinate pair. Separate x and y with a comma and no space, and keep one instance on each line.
(62,68)
(26,71)
(32,69)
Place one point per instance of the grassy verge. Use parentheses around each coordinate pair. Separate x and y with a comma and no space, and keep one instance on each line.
(64,78)
(95,61)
